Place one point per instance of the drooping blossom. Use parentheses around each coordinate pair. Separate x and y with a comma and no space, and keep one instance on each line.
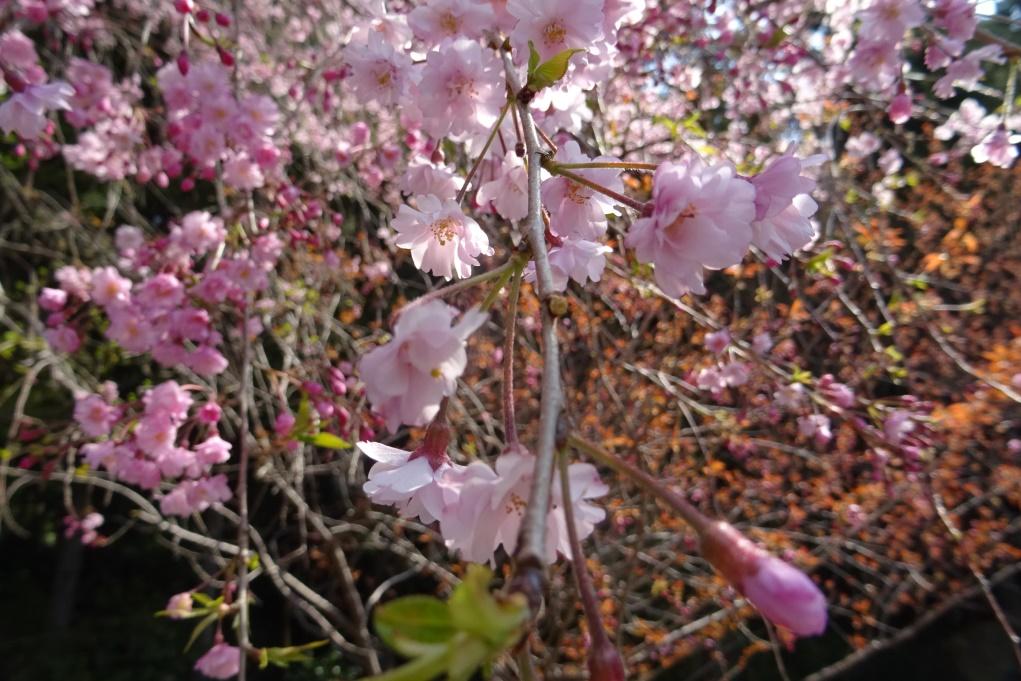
(966,71)
(222,661)
(717,341)
(576,259)
(489,511)
(406,378)
(378,71)
(998,147)
(577,211)
(875,64)
(781,592)
(506,193)
(179,606)
(94,415)
(701,218)
(461,90)
(24,113)
(441,238)
(817,427)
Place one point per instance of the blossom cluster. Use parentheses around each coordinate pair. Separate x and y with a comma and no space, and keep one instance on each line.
(153,448)
(167,313)
(479,509)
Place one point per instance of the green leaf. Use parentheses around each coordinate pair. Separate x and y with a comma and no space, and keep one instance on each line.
(414,625)
(533,58)
(304,418)
(282,657)
(471,654)
(477,611)
(200,627)
(326,441)
(423,668)
(551,70)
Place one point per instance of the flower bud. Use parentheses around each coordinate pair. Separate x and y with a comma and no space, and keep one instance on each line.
(226,58)
(222,19)
(182,63)
(604,663)
(781,592)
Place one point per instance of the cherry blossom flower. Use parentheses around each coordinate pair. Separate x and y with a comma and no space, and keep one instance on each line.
(555,25)
(701,219)
(817,427)
(875,64)
(576,210)
(461,90)
(52,299)
(717,341)
(378,71)
(94,415)
(212,450)
(489,510)
(222,661)
(889,19)
(506,193)
(966,71)
(998,148)
(440,20)
(406,378)
(575,259)
(109,287)
(442,239)
(24,113)
(423,179)
(179,606)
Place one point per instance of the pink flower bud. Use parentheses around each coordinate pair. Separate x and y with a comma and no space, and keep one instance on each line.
(781,592)
(900,108)
(182,63)
(202,15)
(183,6)
(222,19)
(283,424)
(226,58)
(209,413)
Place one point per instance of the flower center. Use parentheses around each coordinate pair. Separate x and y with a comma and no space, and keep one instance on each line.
(515,504)
(554,33)
(461,85)
(450,23)
(577,193)
(384,78)
(444,230)
(688,212)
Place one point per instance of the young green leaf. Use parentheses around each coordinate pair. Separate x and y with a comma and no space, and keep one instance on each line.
(326,441)
(533,58)
(414,625)
(550,71)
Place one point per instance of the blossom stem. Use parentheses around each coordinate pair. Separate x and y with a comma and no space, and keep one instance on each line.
(689,513)
(529,556)
(482,154)
(510,426)
(242,490)
(558,169)
(599,641)
(490,298)
(624,165)
(461,285)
